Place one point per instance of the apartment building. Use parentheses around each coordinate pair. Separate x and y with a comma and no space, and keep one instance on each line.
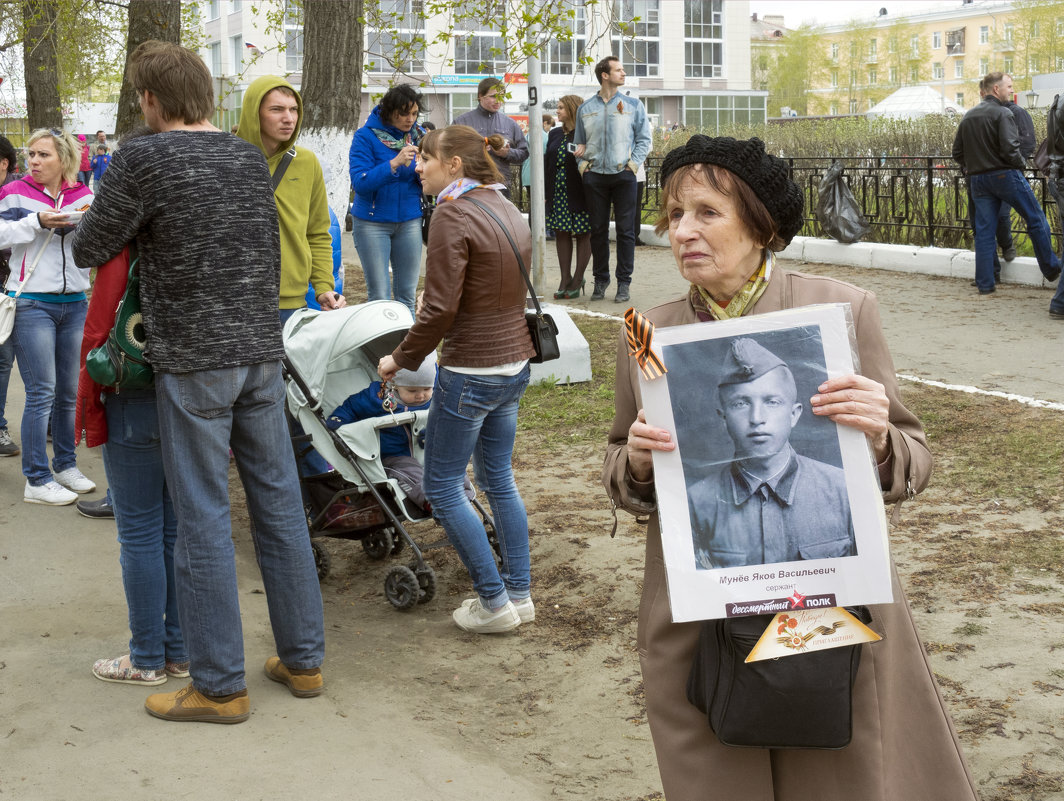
(948,47)
(688,61)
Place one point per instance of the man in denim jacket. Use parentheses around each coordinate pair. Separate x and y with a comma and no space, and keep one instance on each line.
(612,139)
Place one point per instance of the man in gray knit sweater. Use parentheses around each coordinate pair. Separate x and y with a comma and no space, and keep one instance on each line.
(199,204)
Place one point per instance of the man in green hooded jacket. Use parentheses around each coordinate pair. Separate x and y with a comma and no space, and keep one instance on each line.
(270,119)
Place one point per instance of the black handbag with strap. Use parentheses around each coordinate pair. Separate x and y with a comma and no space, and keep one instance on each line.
(541,326)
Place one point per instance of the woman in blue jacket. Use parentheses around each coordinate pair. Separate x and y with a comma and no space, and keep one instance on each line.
(387,207)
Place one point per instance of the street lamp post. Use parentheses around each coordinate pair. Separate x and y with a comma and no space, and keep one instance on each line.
(1032,98)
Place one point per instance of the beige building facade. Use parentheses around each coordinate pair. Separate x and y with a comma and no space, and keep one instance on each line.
(949,48)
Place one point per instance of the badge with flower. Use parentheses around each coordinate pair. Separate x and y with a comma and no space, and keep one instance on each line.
(802,631)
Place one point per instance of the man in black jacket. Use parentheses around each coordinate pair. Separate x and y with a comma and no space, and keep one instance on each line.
(987,147)
(1025,126)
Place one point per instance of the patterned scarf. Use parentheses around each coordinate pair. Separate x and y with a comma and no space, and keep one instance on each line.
(458,188)
(744,300)
(411,137)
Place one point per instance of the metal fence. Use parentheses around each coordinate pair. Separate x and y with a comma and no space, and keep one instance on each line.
(918,201)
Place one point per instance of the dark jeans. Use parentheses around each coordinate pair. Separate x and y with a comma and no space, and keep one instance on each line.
(1008,225)
(990,190)
(600,192)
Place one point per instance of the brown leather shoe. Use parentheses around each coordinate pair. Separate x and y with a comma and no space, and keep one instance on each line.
(191,704)
(302,684)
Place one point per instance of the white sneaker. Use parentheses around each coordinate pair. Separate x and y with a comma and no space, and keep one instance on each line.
(477,619)
(75,481)
(51,494)
(526,610)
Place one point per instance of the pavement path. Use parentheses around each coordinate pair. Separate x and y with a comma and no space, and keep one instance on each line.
(66,735)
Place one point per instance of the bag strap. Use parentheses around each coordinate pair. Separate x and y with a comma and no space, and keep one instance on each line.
(278,174)
(517,253)
(36,261)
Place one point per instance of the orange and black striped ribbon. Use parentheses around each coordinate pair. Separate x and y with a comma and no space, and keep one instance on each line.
(639,332)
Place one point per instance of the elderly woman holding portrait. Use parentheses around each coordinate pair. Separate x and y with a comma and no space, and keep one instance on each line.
(728,207)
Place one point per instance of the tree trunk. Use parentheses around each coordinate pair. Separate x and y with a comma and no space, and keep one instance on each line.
(148,19)
(332,65)
(43,108)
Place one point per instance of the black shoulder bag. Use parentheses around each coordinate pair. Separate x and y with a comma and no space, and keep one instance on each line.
(541,327)
(800,701)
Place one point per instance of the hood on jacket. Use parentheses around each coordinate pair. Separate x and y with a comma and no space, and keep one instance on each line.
(250,130)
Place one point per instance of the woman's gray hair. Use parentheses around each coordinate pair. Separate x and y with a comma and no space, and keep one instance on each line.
(66,147)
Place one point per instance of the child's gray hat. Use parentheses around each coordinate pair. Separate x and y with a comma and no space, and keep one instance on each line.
(424,376)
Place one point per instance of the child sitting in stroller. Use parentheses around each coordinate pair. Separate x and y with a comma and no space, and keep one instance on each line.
(412,392)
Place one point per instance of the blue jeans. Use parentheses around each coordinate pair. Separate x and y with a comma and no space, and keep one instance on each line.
(600,192)
(990,190)
(202,415)
(7,361)
(310,463)
(476,416)
(147,527)
(398,243)
(48,349)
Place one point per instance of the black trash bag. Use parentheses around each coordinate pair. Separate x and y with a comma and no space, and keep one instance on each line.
(837,208)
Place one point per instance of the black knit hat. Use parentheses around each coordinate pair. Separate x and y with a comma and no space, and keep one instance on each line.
(746,159)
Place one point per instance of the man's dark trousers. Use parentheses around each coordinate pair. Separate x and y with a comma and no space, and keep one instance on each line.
(600,192)
(990,190)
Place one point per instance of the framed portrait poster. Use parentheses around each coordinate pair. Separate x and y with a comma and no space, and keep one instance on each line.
(764,506)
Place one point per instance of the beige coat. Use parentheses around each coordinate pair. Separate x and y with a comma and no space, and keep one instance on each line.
(904,745)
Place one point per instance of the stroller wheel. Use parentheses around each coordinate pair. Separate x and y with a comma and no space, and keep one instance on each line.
(426,580)
(398,545)
(401,588)
(322,560)
(378,544)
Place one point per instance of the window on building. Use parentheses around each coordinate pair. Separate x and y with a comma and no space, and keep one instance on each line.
(711,112)
(984,65)
(1007,65)
(914,46)
(1008,32)
(234,6)
(834,77)
(293,37)
(1060,63)
(893,74)
(892,45)
(638,45)
(833,110)
(873,78)
(853,77)
(399,44)
(936,70)
(1032,65)
(462,102)
(704,39)
(959,98)
(853,106)
(936,40)
(1060,27)
(872,55)
(478,53)
(958,68)
(212,9)
(236,53)
(214,58)
(561,55)
(914,74)
(1036,29)
(834,51)
(984,34)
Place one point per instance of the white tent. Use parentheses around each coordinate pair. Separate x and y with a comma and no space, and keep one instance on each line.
(914,101)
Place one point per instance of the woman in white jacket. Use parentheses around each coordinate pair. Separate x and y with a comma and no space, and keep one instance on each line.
(36,214)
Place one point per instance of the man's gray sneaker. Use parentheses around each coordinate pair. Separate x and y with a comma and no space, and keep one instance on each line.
(97,510)
(600,290)
(7,445)
(622,295)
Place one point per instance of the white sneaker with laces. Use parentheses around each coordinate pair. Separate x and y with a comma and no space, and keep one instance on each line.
(75,481)
(50,494)
(477,619)
(526,610)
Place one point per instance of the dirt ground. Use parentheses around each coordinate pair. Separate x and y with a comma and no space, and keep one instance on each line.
(416,709)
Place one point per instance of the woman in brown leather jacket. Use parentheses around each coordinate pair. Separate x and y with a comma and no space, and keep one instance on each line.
(474,301)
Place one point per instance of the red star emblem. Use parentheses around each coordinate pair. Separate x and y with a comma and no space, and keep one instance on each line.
(797,600)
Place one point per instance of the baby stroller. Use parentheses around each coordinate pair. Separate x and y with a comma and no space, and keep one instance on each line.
(329,356)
